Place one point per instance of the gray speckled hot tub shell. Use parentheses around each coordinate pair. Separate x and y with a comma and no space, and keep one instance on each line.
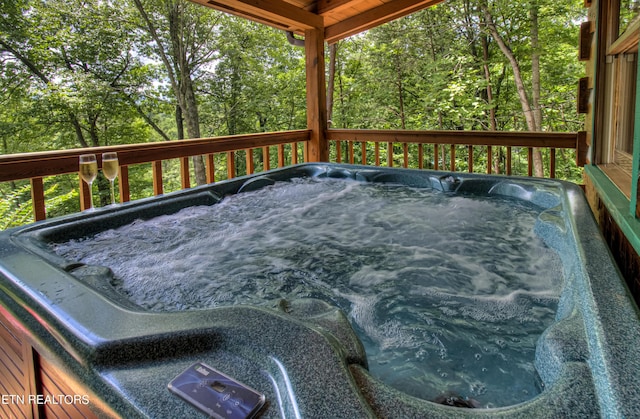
(304,356)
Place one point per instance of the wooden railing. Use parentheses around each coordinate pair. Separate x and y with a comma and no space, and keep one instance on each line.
(490,141)
(36,166)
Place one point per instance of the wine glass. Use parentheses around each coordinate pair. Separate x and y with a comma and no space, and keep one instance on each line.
(110,170)
(88,172)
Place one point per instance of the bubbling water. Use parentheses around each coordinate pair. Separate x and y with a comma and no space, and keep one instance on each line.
(447,293)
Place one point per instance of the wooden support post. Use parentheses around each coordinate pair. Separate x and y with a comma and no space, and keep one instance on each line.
(318,146)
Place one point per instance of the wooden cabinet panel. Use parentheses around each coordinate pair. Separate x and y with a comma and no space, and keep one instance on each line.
(16,373)
(64,398)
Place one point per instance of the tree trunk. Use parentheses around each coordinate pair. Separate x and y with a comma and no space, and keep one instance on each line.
(333,49)
(403,123)
(487,75)
(434,57)
(187,96)
(517,75)
(179,123)
(179,72)
(491,114)
(535,84)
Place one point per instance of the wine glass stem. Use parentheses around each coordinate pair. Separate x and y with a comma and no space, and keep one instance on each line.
(113,195)
(90,195)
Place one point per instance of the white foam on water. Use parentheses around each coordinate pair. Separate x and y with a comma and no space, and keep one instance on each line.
(446,292)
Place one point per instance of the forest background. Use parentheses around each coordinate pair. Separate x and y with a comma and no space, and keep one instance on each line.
(82,73)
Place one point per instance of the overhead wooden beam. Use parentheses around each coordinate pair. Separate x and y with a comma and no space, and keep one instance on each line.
(325,6)
(374,17)
(276,13)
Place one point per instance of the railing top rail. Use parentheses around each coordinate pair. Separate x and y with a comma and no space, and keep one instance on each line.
(49,163)
(480,138)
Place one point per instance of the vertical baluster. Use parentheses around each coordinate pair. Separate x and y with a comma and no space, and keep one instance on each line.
(436,157)
(470,158)
(305,151)
(37,198)
(405,150)
(231,164)
(390,154)
(294,153)
(249,159)
(351,158)
(552,163)
(266,159)
(210,168)
(184,173)
(420,156)
(530,161)
(508,169)
(377,152)
(489,160)
(280,155)
(453,158)
(123,184)
(85,199)
(363,146)
(156,174)
(338,151)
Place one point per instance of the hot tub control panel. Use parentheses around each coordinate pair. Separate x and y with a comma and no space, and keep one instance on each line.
(216,394)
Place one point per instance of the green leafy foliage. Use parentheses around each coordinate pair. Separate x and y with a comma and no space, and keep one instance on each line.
(77,73)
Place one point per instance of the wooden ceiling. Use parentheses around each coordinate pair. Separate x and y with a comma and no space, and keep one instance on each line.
(338,18)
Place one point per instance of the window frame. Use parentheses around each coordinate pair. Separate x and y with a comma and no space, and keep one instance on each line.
(616,153)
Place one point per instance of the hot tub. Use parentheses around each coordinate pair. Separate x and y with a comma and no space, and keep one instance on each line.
(305,353)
